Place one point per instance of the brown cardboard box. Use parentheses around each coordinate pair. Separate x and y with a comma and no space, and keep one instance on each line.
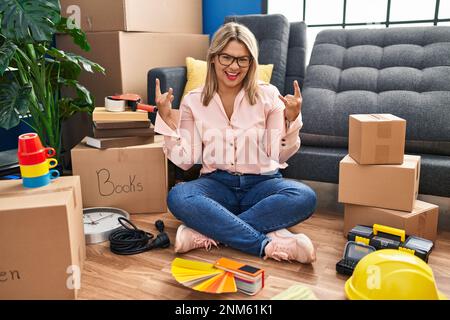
(183,16)
(128,56)
(376,138)
(131,178)
(421,222)
(390,186)
(42,246)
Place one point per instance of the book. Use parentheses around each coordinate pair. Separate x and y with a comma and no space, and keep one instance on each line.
(101,114)
(121,124)
(114,133)
(104,143)
(225,275)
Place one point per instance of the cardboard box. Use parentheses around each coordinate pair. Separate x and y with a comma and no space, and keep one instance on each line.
(136,15)
(376,138)
(132,178)
(390,186)
(422,221)
(128,56)
(42,246)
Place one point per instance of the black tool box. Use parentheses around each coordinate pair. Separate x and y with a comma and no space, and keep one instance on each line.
(384,237)
(363,240)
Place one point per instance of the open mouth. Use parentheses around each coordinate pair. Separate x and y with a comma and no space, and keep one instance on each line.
(232,75)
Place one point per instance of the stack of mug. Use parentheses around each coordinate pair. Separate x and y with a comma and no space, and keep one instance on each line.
(35,161)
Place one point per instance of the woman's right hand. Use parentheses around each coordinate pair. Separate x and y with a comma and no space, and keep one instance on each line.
(163,101)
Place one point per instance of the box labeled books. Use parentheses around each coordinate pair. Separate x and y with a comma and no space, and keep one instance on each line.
(132,178)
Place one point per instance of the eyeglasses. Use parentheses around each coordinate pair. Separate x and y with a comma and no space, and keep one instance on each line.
(227,60)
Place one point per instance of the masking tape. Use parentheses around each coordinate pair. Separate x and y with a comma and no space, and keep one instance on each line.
(114,105)
(378,117)
(381,153)
(384,131)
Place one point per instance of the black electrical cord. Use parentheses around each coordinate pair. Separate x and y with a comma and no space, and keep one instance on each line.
(129,240)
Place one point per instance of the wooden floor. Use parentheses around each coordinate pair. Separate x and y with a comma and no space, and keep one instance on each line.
(147,275)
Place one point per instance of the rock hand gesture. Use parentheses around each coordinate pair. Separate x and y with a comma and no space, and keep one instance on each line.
(293,103)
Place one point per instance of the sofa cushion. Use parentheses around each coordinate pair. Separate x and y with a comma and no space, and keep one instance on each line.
(403,71)
(272,33)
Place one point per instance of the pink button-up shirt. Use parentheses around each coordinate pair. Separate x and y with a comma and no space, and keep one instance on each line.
(255,140)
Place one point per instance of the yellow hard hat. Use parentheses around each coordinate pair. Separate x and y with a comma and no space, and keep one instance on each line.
(392,275)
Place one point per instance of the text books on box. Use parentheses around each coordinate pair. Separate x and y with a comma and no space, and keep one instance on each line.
(120,129)
(101,114)
(133,178)
(105,143)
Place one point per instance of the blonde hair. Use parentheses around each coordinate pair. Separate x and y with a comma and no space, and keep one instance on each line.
(226,33)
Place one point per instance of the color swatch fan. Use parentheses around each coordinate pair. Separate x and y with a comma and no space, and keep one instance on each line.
(203,276)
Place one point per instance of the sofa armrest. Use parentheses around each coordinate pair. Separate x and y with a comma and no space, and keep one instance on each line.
(169,77)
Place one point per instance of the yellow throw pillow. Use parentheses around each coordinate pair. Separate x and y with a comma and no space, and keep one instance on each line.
(265,72)
(196,73)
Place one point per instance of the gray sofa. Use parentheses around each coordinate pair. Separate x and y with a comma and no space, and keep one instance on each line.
(403,71)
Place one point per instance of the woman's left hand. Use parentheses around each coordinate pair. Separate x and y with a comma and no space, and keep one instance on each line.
(293,103)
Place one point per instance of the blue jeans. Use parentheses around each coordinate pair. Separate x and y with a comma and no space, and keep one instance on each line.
(239,211)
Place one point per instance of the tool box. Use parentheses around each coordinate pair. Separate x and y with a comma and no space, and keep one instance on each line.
(363,240)
(384,237)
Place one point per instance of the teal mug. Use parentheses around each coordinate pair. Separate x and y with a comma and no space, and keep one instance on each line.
(40,181)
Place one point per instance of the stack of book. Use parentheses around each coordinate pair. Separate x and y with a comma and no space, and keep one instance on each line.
(120,129)
(224,276)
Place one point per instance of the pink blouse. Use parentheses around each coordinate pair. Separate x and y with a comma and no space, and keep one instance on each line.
(255,140)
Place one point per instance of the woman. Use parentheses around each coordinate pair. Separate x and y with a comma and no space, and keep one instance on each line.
(242,131)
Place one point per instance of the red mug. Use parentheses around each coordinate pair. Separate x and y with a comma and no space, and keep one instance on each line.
(31,151)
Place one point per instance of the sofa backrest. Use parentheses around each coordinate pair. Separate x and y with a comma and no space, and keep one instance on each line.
(404,71)
(295,68)
(272,33)
(294,63)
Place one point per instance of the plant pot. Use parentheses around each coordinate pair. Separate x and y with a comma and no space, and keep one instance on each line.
(73,130)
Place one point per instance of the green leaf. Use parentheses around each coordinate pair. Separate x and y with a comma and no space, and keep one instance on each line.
(60,55)
(86,64)
(7,51)
(29,20)
(70,70)
(68,108)
(14,100)
(84,97)
(78,36)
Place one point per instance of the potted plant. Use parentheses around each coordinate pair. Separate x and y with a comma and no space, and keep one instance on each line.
(33,73)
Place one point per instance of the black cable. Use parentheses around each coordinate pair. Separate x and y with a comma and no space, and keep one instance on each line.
(129,240)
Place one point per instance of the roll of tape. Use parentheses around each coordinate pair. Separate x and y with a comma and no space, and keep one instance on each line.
(114,105)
